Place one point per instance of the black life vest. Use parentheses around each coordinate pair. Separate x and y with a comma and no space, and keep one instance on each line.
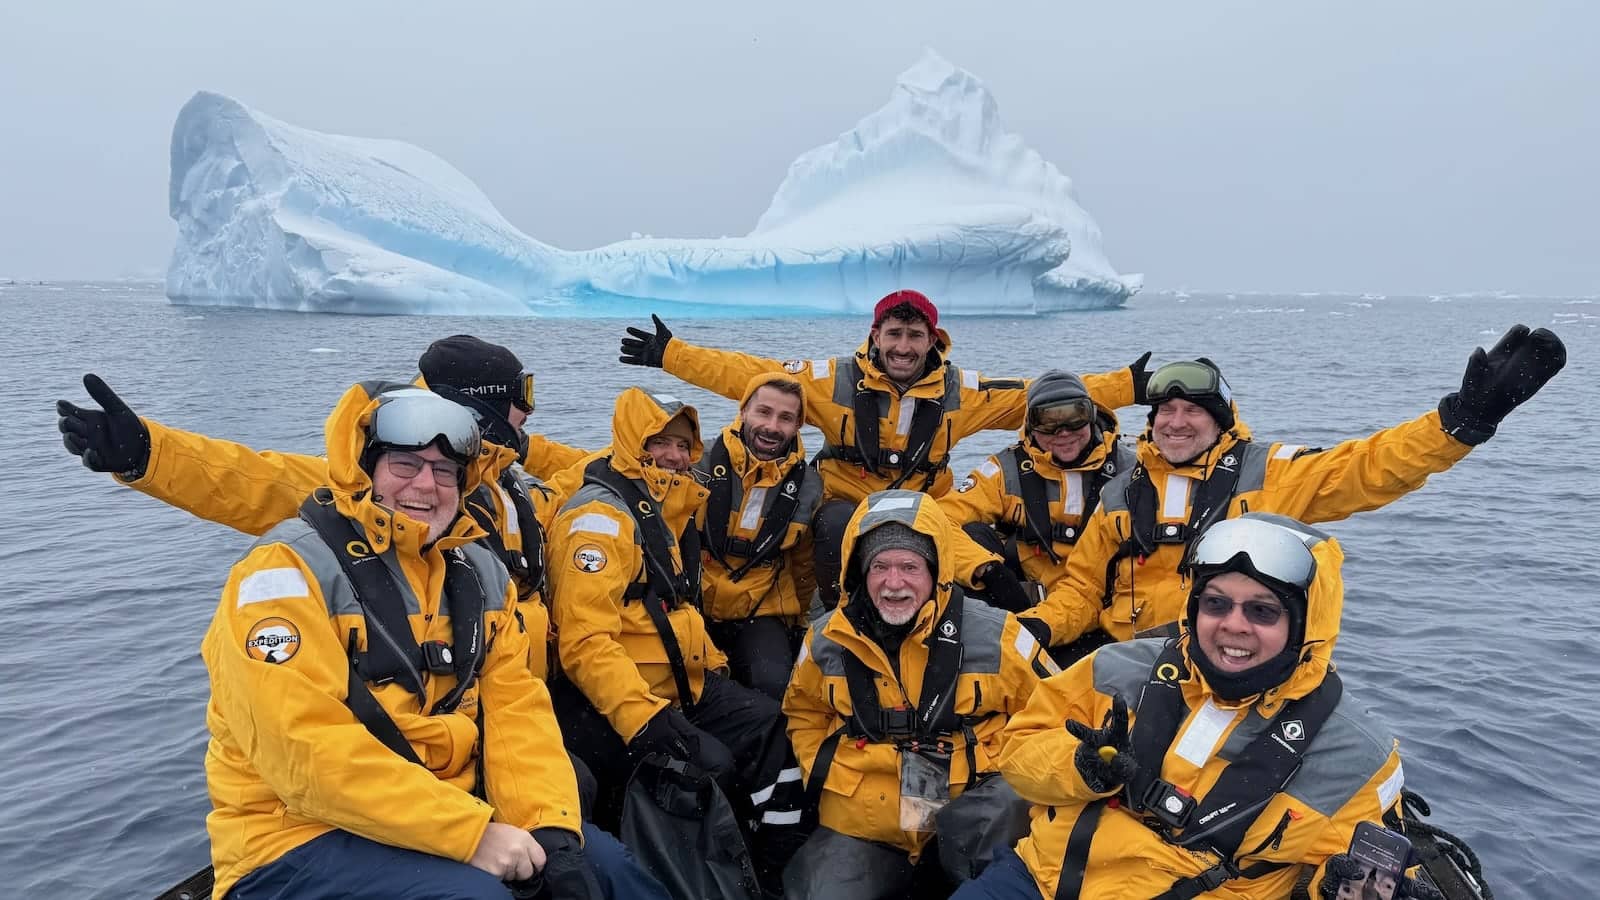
(527,567)
(666,585)
(1217,822)
(1207,504)
(392,652)
(867,404)
(725,487)
(1037,527)
(928,726)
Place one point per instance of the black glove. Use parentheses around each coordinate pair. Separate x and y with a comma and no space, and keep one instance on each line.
(1342,867)
(642,348)
(1005,590)
(110,441)
(1499,381)
(565,869)
(667,732)
(1141,379)
(1037,627)
(1100,775)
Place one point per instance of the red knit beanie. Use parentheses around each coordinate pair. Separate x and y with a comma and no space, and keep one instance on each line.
(918,300)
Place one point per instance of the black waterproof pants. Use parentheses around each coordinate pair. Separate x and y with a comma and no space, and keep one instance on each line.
(827,547)
(760,650)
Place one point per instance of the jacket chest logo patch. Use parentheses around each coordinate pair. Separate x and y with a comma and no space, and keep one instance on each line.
(273,640)
(1294,730)
(589,558)
(794,366)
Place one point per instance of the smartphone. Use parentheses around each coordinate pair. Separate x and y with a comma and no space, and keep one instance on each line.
(1384,856)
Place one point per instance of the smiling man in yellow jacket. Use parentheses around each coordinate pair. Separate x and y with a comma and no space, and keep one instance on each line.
(1227,763)
(1197,464)
(375,730)
(896,712)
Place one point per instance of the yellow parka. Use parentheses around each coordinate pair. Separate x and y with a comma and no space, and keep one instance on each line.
(1305,484)
(1350,772)
(1001,664)
(991,496)
(252,491)
(781,587)
(288,760)
(608,645)
(972,404)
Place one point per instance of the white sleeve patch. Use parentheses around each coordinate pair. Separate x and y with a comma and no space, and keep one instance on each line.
(821,367)
(1287,451)
(989,468)
(969,379)
(1389,791)
(273,584)
(805,651)
(511,525)
(885,504)
(596,523)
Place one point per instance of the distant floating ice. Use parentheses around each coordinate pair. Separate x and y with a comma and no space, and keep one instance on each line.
(322,350)
(929,192)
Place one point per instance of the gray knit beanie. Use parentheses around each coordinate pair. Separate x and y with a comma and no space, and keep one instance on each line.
(895,536)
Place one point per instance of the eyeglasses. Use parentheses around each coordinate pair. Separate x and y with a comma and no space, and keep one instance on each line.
(410,465)
(1256,612)
(1069,415)
(1187,379)
(412,418)
(1273,547)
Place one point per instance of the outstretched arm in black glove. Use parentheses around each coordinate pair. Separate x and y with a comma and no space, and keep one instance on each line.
(669,732)
(109,439)
(1500,380)
(1141,379)
(566,872)
(1342,867)
(1104,757)
(1005,590)
(641,348)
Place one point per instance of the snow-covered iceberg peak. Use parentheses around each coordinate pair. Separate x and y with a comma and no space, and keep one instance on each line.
(936,147)
(278,216)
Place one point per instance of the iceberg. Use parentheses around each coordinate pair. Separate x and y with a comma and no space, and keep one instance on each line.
(929,192)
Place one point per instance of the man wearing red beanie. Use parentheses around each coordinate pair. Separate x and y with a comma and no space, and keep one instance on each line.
(889,415)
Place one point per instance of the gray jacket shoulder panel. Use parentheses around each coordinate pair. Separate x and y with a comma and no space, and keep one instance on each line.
(1123,668)
(982,627)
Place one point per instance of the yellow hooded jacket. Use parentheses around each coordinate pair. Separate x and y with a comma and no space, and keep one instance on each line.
(782,586)
(1350,772)
(288,760)
(1000,666)
(608,645)
(1305,484)
(973,404)
(252,491)
(991,496)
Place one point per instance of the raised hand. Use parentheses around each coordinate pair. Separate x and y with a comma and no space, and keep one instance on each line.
(641,348)
(108,439)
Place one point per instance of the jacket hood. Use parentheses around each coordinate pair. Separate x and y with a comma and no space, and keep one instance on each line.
(796,448)
(638,415)
(1324,610)
(921,514)
(346,436)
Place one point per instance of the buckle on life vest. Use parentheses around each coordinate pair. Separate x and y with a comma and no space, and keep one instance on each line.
(437,658)
(1168,804)
(898,723)
(1172,533)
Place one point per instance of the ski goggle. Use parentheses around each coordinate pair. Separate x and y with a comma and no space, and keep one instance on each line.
(1256,547)
(1256,612)
(412,418)
(1069,415)
(519,390)
(1187,379)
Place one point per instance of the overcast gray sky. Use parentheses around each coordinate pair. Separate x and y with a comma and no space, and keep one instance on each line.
(1403,147)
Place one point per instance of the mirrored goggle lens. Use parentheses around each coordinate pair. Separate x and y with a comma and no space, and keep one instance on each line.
(414,418)
(1058,417)
(1187,379)
(524,395)
(1275,551)
(1257,612)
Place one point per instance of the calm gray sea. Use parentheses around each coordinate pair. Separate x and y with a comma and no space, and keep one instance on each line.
(1469,624)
